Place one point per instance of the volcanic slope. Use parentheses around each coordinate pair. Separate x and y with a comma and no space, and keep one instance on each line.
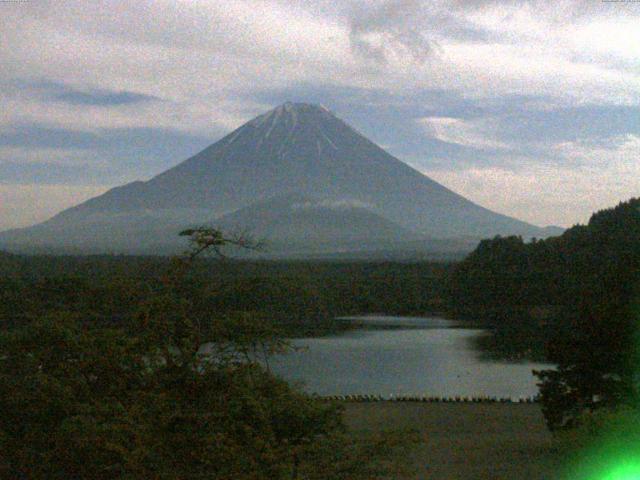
(296,149)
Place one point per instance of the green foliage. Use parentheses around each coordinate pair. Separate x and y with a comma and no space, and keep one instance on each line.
(303,298)
(144,402)
(135,379)
(512,287)
(574,297)
(141,399)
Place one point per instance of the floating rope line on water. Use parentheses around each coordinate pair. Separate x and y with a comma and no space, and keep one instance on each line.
(427,399)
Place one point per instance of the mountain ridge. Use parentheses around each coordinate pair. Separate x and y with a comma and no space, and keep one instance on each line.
(295,148)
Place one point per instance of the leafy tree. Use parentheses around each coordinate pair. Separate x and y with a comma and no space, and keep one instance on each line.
(595,339)
(144,399)
(576,297)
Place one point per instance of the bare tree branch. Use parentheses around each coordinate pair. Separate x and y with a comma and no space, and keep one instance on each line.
(205,238)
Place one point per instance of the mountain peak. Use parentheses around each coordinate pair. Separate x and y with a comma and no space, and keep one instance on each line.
(296,108)
(296,148)
(300,107)
(290,115)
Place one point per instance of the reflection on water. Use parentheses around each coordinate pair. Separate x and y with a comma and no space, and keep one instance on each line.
(420,356)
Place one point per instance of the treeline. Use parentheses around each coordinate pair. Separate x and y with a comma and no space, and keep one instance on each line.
(303,298)
(106,378)
(572,299)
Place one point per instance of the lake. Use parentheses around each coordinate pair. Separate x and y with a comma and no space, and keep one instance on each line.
(404,356)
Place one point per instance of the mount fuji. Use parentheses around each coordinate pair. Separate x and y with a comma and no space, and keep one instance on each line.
(296,175)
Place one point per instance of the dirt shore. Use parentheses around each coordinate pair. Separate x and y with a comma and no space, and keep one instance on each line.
(465,441)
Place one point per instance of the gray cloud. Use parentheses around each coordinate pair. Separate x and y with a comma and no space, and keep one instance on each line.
(102,156)
(133,88)
(49,90)
(103,98)
(392,27)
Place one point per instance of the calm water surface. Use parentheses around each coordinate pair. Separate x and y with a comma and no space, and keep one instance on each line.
(420,356)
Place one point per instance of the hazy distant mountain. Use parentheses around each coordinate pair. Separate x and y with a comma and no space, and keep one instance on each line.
(297,223)
(351,189)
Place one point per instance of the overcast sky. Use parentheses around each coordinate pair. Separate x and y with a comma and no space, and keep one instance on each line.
(531,108)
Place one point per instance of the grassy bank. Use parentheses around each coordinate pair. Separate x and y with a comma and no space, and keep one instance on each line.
(464,441)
